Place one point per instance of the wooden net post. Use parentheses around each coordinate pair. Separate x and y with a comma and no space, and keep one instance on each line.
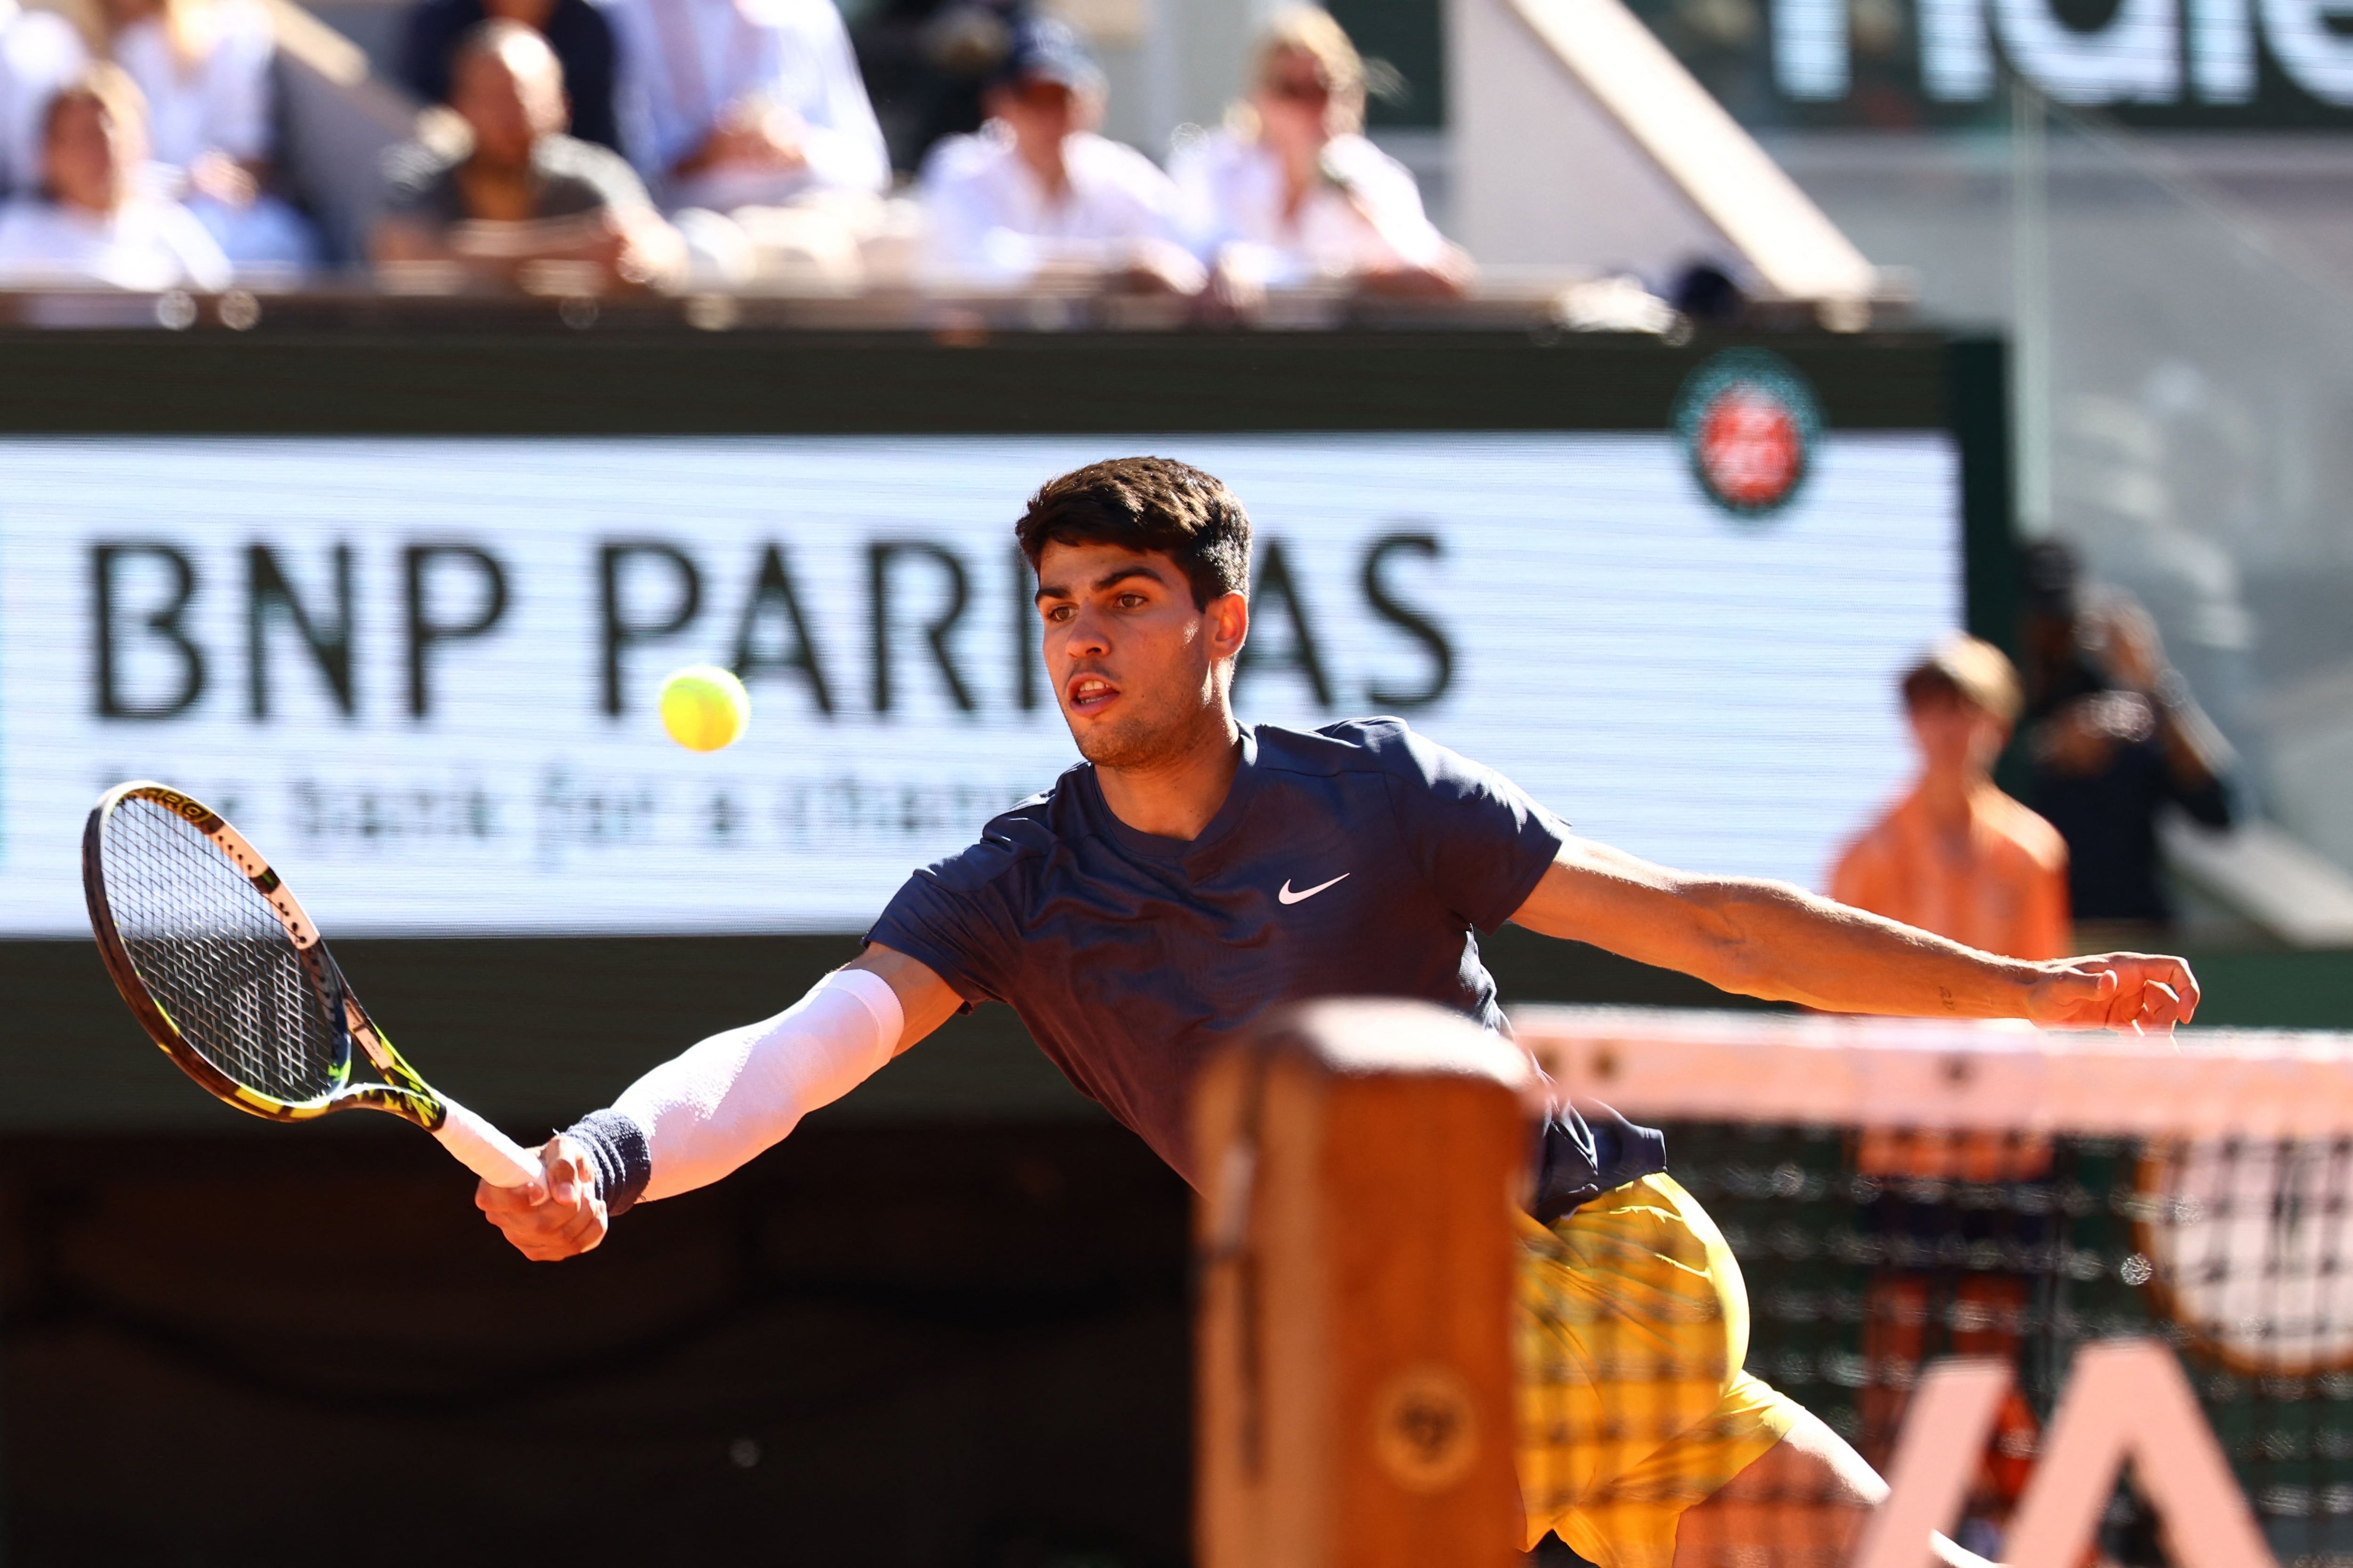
(1355,1379)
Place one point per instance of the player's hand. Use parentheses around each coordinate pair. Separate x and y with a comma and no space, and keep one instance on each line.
(559,1217)
(2134,992)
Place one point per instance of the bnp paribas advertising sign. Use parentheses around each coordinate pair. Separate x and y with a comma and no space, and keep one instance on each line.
(1899,64)
(423,672)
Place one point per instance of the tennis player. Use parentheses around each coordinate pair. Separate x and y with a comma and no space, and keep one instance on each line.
(1193,872)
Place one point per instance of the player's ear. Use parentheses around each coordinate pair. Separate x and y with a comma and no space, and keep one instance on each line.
(1229,618)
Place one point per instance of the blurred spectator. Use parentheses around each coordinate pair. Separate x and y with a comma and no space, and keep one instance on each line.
(525,193)
(2115,737)
(1290,191)
(575,29)
(1037,194)
(205,68)
(1956,856)
(92,223)
(39,53)
(732,103)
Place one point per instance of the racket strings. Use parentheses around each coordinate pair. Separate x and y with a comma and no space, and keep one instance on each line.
(213,954)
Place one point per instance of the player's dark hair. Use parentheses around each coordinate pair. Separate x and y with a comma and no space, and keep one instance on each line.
(1146,503)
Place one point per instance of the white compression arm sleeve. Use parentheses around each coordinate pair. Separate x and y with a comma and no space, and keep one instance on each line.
(707,1112)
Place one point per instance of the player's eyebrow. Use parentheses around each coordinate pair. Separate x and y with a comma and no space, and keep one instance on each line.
(1111,578)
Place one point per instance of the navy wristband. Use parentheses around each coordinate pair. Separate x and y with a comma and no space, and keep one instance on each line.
(616,1146)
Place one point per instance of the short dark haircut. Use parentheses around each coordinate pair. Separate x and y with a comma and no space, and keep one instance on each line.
(1146,503)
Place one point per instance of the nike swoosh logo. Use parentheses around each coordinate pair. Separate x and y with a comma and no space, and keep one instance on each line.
(1288,897)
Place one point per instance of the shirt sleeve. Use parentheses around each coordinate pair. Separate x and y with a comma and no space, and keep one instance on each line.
(235,84)
(1382,196)
(655,131)
(202,265)
(1478,837)
(413,179)
(1210,174)
(2207,805)
(951,917)
(1148,201)
(958,224)
(608,179)
(842,140)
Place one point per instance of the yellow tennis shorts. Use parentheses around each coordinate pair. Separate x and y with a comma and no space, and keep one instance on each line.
(1631,1329)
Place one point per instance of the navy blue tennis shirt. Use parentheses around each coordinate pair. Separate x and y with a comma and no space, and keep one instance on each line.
(1360,859)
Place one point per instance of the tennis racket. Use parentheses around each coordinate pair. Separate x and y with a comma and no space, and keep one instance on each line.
(228,975)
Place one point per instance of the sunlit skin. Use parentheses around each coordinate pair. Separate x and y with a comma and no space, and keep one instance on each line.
(1958,742)
(1143,679)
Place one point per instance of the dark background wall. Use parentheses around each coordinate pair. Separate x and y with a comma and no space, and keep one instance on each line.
(900,1346)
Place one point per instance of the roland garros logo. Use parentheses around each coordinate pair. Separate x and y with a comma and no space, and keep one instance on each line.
(1748,423)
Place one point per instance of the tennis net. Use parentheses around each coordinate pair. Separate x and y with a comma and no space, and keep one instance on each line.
(1897,1192)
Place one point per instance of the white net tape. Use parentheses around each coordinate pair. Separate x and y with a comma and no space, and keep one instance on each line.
(1991,1077)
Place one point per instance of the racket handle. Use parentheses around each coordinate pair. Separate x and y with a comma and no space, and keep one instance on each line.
(484,1150)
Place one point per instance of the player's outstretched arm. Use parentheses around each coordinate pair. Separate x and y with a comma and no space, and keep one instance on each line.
(1773,941)
(699,1115)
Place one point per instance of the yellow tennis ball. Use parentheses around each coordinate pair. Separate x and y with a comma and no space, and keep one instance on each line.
(705,708)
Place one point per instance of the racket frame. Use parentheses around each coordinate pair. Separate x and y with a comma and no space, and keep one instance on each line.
(401,1092)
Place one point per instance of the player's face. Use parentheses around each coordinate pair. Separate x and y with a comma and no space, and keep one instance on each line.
(1135,665)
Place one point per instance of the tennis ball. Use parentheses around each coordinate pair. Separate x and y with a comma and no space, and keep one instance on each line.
(705,708)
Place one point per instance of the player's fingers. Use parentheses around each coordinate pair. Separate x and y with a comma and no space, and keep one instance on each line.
(496,1200)
(2185,986)
(2081,996)
(540,1242)
(2160,1007)
(521,1226)
(587,1236)
(2124,1001)
(579,1233)
(567,1170)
